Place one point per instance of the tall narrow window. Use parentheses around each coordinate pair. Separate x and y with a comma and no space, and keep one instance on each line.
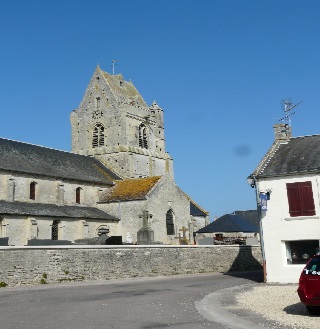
(300,199)
(78,194)
(55,230)
(32,191)
(143,141)
(169,222)
(98,135)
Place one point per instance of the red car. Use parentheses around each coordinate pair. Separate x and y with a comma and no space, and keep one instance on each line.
(309,285)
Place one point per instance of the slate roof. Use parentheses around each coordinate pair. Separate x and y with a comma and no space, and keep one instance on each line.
(130,189)
(196,210)
(229,223)
(250,216)
(299,155)
(52,210)
(32,159)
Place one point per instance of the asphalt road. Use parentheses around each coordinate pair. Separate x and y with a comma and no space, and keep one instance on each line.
(144,303)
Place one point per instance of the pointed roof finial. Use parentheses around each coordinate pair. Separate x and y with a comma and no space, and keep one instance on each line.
(113,64)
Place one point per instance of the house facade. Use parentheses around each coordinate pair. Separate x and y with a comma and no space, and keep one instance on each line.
(287,187)
(118,171)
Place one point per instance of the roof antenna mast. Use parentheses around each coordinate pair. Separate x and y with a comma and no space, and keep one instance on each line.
(287,106)
(113,64)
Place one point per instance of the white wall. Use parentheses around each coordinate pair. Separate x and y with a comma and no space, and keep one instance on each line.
(279,227)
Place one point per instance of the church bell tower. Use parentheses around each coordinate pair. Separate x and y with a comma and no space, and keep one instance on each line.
(114,124)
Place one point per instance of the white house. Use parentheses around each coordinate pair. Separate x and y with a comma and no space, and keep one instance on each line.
(287,187)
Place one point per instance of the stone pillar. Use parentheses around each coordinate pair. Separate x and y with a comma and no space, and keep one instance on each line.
(60,196)
(85,230)
(11,189)
(34,229)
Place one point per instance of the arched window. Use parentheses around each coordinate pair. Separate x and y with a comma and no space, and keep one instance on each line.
(55,230)
(98,135)
(143,141)
(103,230)
(32,190)
(78,194)
(169,222)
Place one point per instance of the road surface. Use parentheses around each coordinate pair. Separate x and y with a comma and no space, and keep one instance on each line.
(141,303)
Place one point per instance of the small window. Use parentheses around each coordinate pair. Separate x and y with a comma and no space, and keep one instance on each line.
(55,230)
(300,199)
(169,222)
(300,251)
(103,230)
(78,195)
(32,191)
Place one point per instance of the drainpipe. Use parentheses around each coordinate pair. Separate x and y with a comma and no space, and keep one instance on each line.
(253,182)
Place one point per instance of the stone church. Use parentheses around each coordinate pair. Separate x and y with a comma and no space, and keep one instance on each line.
(118,179)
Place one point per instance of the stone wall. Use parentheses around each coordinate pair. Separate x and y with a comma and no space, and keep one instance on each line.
(36,265)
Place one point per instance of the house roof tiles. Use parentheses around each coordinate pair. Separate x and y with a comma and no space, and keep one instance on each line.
(298,155)
(229,223)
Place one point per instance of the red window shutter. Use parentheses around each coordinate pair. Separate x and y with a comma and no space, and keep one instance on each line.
(306,199)
(294,199)
(300,199)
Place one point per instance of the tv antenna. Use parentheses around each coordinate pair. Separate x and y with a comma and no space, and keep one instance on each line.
(287,106)
(114,61)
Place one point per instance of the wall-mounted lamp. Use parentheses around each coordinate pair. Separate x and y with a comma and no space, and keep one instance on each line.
(251,181)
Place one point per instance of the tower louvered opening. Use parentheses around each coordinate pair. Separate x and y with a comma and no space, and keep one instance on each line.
(98,135)
(143,140)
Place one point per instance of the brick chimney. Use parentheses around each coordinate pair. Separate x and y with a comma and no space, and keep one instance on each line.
(282,132)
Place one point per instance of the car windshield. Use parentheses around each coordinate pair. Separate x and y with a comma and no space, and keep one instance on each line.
(313,265)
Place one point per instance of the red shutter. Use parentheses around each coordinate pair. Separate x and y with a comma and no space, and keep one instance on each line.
(294,199)
(300,199)
(306,199)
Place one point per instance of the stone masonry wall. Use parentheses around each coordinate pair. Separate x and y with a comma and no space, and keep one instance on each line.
(36,265)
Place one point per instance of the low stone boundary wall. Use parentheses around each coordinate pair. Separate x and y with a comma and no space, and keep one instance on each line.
(52,264)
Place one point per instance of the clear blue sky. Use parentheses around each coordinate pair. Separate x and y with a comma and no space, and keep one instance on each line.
(218,68)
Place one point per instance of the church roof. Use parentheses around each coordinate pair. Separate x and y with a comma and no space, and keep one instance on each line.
(52,210)
(119,87)
(195,209)
(130,189)
(39,160)
(298,155)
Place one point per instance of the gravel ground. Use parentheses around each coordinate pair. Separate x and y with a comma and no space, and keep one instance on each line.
(278,303)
